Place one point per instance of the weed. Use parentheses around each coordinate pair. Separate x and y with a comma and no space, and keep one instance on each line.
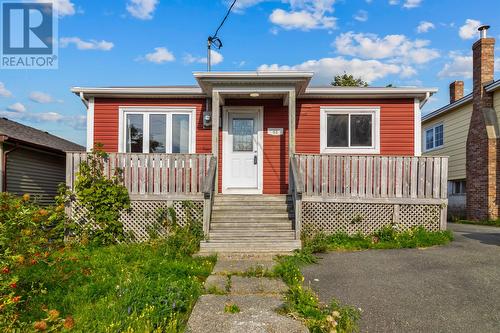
(231,308)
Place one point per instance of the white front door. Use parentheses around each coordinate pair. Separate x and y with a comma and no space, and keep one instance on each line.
(242,149)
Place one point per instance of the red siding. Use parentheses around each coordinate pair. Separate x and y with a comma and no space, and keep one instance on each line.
(396,124)
(396,129)
(106,120)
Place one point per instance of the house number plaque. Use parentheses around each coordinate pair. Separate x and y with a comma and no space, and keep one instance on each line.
(275,131)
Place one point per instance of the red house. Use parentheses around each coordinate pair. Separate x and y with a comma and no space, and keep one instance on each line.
(271,133)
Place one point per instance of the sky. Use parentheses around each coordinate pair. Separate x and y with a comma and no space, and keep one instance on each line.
(161,42)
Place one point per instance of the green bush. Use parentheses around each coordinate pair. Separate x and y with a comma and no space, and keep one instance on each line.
(103,198)
(386,238)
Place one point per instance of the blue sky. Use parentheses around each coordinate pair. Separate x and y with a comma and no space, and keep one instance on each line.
(160,42)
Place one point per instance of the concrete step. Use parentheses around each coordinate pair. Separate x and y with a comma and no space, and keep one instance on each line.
(260,227)
(252,246)
(250,198)
(254,215)
(252,234)
(251,207)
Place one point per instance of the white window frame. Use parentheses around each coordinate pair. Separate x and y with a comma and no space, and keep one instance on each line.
(350,110)
(146,111)
(433,129)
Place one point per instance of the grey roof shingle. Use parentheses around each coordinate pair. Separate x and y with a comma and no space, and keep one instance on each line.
(17,131)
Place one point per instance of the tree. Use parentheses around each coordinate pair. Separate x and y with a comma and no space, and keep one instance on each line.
(348,80)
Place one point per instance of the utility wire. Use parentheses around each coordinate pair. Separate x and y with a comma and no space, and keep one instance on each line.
(225,18)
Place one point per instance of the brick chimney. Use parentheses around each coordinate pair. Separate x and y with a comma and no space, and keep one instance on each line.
(482,140)
(456,91)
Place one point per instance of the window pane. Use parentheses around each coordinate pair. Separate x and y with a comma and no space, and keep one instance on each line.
(180,133)
(438,134)
(336,131)
(429,139)
(134,133)
(157,133)
(242,134)
(361,131)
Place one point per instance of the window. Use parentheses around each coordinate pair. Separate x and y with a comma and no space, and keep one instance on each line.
(157,130)
(457,187)
(350,130)
(434,137)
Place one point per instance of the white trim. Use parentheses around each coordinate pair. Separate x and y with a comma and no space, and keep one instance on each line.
(90,124)
(148,110)
(260,151)
(458,103)
(373,110)
(424,137)
(417,125)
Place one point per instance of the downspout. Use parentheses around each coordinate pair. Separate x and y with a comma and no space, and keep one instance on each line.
(4,162)
(84,101)
(427,96)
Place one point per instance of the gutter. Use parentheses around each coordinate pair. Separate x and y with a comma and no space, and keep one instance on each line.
(492,86)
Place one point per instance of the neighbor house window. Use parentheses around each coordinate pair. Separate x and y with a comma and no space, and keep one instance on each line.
(157,130)
(434,137)
(350,130)
(457,187)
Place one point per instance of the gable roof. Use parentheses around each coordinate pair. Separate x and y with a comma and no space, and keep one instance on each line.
(18,132)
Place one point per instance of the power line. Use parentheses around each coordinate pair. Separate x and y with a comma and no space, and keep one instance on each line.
(214,40)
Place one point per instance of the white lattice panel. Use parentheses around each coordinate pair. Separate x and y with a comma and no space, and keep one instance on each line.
(365,218)
(143,218)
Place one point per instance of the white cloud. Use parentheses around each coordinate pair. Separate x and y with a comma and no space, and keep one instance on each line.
(325,69)
(63,7)
(244,4)
(425,26)
(469,29)
(412,3)
(396,47)
(460,66)
(142,9)
(361,15)
(215,58)
(3,91)
(16,107)
(159,56)
(86,45)
(77,122)
(393,2)
(42,98)
(305,15)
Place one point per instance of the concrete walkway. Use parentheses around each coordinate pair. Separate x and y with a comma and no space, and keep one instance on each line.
(453,288)
(256,299)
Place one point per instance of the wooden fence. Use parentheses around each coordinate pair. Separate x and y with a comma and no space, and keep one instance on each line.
(151,174)
(372,176)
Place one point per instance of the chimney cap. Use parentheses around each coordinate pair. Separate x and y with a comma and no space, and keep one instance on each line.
(483,27)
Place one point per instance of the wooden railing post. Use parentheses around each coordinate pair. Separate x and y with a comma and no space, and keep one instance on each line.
(297,190)
(208,194)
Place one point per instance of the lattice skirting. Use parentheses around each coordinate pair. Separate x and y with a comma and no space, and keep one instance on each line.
(142,220)
(366,218)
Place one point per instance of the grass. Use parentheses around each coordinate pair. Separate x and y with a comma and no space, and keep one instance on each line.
(301,302)
(123,288)
(491,223)
(386,238)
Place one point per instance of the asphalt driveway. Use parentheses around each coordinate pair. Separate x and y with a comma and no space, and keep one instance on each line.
(453,288)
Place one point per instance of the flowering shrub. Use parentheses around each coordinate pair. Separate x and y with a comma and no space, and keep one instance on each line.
(28,234)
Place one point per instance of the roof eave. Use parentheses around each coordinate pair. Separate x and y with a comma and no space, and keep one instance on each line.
(355,92)
(493,86)
(139,92)
(450,107)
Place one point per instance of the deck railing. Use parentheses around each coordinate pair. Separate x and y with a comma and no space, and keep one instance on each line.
(372,176)
(151,174)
